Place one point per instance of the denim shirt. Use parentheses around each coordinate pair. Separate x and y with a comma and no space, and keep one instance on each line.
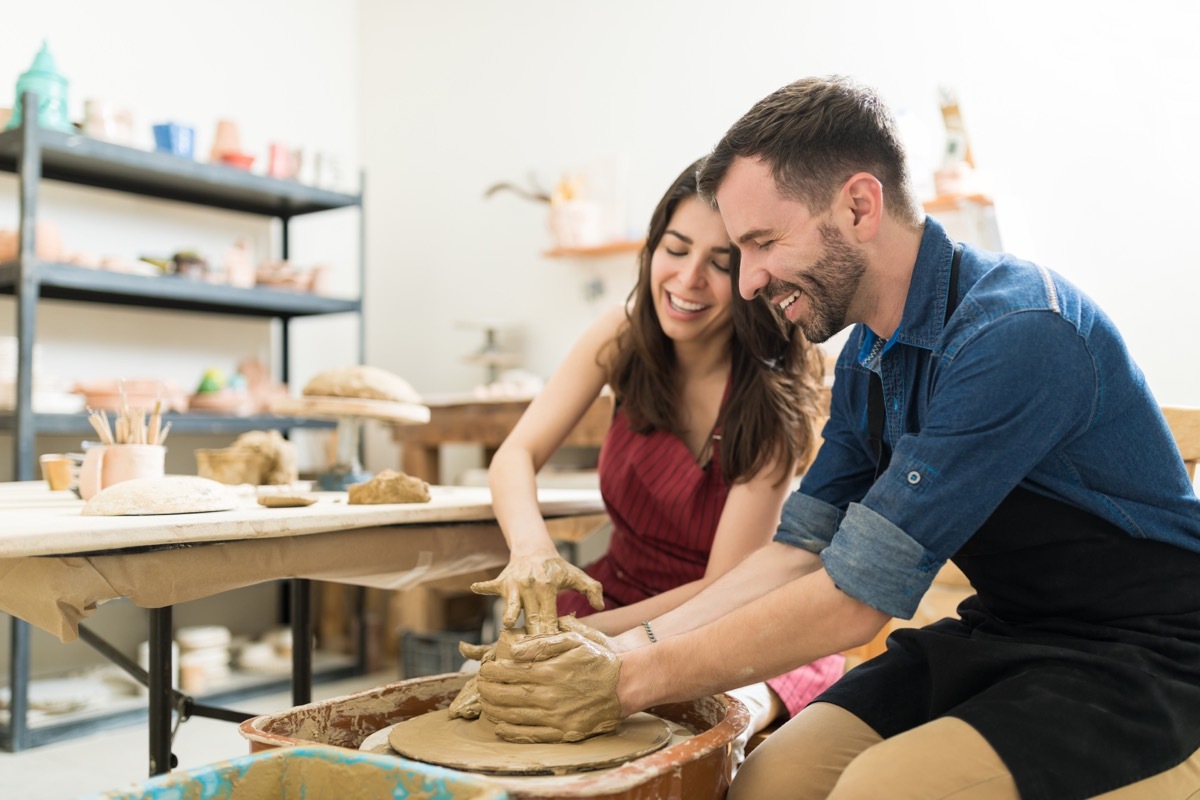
(1028,384)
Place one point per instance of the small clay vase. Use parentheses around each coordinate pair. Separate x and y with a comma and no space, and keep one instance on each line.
(226,141)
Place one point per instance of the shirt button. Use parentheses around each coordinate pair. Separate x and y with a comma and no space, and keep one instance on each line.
(914,477)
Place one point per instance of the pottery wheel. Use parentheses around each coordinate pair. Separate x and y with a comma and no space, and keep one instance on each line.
(472,746)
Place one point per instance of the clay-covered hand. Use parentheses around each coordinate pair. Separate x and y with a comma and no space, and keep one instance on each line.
(571,624)
(553,688)
(466,703)
(532,584)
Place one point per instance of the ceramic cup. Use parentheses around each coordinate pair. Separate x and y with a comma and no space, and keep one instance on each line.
(108,464)
(56,469)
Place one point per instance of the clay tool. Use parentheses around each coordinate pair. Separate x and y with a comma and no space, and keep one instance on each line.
(155,420)
(99,421)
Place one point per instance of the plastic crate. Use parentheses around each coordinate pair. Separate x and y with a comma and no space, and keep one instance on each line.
(312,772)
(436,653)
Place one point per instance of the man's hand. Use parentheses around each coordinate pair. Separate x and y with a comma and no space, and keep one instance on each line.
(571,624)
(532,584)
(552,688)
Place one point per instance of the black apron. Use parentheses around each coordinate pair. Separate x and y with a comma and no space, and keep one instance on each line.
(1078,658)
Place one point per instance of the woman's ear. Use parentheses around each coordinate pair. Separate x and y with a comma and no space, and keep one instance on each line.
(862,198)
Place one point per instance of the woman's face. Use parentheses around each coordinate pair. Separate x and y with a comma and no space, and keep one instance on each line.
(689,274)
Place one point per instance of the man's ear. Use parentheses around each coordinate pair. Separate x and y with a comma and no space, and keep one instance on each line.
(862,198)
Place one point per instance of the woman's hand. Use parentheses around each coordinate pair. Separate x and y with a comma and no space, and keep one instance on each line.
(466,703)
(532,583)
(569,624)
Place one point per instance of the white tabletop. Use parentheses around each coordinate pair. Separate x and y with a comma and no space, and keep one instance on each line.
(35,521)
(58,566)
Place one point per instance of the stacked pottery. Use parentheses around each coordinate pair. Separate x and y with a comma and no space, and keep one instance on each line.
(204,656)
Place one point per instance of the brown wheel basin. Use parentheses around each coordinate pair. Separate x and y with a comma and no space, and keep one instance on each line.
(696,768)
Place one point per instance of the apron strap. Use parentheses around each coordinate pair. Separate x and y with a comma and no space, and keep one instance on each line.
(876,411)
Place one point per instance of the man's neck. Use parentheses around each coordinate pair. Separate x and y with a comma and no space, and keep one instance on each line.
(892,256)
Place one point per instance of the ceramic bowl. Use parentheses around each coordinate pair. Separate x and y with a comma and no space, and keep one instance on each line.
(239,160)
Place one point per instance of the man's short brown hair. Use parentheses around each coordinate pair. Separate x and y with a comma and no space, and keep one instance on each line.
(814,134)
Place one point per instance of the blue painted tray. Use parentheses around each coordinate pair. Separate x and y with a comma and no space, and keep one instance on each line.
(315,772)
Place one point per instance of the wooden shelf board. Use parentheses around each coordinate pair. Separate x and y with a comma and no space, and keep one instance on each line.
(947,202)
(595,251)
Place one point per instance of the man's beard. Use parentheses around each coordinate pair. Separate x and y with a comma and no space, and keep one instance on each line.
(828,286)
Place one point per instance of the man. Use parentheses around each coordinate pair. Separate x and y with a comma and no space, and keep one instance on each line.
(983,410)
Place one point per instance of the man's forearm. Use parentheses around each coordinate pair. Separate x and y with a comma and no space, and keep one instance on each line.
(762,571)
(789,626)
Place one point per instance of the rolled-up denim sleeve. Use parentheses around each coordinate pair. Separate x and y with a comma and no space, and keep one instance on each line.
(877,563)
(807,523)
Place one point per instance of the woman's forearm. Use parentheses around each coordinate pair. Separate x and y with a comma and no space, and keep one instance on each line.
(619,620)
(513,482)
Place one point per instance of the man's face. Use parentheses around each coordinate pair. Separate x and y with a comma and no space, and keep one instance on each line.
(798,261)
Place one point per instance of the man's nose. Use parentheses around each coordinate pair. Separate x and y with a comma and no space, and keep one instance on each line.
(751,278)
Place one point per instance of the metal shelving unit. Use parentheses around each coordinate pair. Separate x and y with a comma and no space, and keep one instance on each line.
(36,154)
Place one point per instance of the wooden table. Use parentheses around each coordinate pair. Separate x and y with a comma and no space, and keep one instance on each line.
(468,420)
(57,566)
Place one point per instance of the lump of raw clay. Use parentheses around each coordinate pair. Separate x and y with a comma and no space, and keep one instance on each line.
(389,486)
(285,500)
(278,456)
(369,383)
(259,458)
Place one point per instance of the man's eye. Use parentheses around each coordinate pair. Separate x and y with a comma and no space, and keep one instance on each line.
(676,252)
(763,245)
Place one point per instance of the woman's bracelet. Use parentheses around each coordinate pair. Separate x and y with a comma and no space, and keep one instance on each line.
(650,632)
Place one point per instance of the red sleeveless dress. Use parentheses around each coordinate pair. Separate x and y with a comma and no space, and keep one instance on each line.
(664,509)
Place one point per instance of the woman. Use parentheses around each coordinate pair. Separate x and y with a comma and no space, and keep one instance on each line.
(703,445)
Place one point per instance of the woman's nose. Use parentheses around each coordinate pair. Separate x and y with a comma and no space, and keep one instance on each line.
(693,272)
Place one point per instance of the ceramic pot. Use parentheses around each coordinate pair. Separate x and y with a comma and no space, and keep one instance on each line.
(106,465)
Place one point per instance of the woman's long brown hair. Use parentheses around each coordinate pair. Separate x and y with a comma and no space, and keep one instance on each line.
(775,379)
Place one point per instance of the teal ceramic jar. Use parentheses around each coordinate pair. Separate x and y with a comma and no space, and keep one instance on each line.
(44,80)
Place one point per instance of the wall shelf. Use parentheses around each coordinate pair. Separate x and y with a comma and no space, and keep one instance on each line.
(78,159)
(69,282)
(181,424)
(597,251)
(953,202)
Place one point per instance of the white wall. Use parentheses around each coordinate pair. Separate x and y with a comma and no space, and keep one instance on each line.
(1082,117)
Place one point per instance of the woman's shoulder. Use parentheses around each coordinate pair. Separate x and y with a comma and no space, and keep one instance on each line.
(614,317)
(608,325)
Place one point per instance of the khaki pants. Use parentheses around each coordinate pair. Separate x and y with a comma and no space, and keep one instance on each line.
(827,753)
